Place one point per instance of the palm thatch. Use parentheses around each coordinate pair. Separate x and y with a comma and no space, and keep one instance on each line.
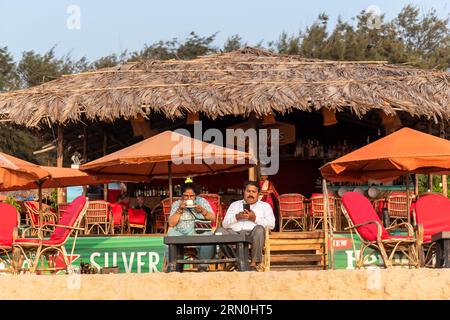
(235,83)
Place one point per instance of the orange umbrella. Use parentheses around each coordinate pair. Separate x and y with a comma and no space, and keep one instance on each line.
(16,172)
(404,151)
(153,157)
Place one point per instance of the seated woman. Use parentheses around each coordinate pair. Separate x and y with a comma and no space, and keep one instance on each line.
(181,218)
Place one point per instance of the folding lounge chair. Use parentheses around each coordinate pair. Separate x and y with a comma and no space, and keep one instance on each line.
(432,215)
(52,248)
(363,219)
(8,232)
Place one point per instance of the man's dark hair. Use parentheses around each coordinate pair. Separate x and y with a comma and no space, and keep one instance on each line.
(190,185)
(251,183)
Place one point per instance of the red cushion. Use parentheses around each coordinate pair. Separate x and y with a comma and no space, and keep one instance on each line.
(68,219)
(9,221)
(136,216)
(433,213)
(361,210)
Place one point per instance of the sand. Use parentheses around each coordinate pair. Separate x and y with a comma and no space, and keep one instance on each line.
(338,284)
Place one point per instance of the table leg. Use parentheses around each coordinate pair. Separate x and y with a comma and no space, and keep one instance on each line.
(439,261)
(180,255)
(241,257)
(171,264)
(446,249)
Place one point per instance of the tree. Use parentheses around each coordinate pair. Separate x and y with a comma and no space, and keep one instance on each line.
(8,75)
(233,43)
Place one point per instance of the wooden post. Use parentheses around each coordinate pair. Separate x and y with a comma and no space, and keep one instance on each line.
(444,177)
(325,225)
(253,173)
(60,161)
(416,185)
(430,176)
(85,156)
(169,172)
(408,207)
(105,145)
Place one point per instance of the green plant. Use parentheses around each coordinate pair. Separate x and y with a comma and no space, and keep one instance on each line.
(54,198)
(13,202)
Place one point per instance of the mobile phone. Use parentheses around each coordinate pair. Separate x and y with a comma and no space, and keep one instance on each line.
(246,206)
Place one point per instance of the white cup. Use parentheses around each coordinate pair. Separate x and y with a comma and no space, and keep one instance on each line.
(189,203)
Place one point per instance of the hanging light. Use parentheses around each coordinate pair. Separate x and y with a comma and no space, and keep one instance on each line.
(329,117)
(192,117)
(390,123)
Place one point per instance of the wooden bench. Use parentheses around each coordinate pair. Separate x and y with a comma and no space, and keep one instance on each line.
(177,245)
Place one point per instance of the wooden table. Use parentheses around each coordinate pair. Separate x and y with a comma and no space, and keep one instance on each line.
(442,240)
(177,245)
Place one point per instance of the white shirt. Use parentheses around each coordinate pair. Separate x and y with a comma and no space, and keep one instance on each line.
(262,210)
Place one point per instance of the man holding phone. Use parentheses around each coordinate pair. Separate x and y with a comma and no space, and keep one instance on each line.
(249,216)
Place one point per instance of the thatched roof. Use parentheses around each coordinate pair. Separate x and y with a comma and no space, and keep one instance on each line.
(234,83)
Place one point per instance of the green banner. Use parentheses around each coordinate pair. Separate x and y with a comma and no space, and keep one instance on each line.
(345,256)
(137,254)
(142,254)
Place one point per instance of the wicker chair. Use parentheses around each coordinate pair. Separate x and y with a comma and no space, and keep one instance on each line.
(317,210)
(37,249)
(397,205)
(62,207)
(98,217)
(432,214)
(292,212)
(216,205)
(363,219)
(36,218)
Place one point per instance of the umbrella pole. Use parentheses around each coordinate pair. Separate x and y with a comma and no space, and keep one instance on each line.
(170,181)
(408,209)
(40,202)
(327,226)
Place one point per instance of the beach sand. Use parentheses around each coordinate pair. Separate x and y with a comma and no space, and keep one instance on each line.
(338,284)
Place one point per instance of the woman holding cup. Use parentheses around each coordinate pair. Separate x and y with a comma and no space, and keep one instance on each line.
(183,214)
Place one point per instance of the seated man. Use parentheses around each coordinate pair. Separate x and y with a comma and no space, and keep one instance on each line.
(181,218)
(248,216)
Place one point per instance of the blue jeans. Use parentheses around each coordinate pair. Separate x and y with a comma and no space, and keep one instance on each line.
(204,252)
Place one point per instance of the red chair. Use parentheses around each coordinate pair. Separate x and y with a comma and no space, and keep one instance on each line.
(292,212)
(137,218)
(8,232)
(53,248)
(432,215)
(363,219)
(62,207)
(215,203)
(118,219)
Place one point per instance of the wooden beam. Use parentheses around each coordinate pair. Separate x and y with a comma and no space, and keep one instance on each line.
(430,176)
(444,177)
(60,162)
(105,147)
(85,154)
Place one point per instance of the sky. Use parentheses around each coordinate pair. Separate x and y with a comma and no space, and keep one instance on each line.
(97,28)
